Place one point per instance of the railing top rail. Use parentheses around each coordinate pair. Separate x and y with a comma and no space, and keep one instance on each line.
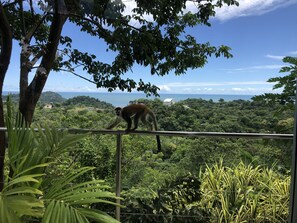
(182,133)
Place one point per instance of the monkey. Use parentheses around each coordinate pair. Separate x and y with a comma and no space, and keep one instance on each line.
(137,112)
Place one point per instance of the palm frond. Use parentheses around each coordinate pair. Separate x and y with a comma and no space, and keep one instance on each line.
(66,200)
(18,199)
(56,142)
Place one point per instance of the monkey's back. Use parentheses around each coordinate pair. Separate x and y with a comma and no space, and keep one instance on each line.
(133,108)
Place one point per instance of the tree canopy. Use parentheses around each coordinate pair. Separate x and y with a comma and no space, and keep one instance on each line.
(161,43)
(286,82)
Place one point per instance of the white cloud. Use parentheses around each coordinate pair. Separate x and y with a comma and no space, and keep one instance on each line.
(245,8)
(69,88)
(274,57)
(164,88)
(270,67)
(237,89)
(130,5)
(260,67)
(251,8)
(207,85)
(250,90)
(294,52)
(207,89)
(244,90)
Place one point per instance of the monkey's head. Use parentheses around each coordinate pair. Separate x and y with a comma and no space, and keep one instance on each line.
(118,111)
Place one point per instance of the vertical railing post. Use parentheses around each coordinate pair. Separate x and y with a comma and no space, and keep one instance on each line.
(293,188)
(118,174)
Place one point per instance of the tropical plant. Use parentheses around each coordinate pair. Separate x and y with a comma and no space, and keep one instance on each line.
(31,192)
(173,202)
(245,193)
(20,197)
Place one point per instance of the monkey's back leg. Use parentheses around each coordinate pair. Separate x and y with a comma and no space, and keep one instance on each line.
(137,116)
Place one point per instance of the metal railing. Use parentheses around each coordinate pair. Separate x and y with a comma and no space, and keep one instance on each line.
(120,133)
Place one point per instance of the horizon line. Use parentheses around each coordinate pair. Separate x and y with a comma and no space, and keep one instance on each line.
(93,92)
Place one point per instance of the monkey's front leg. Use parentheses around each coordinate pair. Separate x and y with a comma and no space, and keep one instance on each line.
(129,123)
(115,123)
(136,118)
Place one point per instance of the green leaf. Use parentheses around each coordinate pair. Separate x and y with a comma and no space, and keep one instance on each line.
(58,185)
(98,216)
(26,205)
(24,179)
(23,190)
(12,207)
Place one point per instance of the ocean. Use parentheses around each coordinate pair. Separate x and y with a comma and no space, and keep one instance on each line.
(123,99)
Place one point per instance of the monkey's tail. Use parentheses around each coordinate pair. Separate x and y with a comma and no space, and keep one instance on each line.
(158,143)
(156,129)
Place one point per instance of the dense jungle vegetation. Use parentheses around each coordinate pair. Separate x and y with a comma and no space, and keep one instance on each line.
(192,179)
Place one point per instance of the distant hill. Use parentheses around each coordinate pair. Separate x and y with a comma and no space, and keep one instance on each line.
(51,97)
(13,97)
(88,102)
(46,97)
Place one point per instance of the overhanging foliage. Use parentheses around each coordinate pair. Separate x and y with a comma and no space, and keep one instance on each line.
(286,83)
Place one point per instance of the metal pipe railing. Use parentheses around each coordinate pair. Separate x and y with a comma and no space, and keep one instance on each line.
(119,134)
(180,133)
(188,134)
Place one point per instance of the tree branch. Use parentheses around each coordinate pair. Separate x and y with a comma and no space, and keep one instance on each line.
(36,58)
(31,8)
(98,24)
(33,30)
(23,28)
(72,72)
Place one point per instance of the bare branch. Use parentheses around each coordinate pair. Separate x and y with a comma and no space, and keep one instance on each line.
(100,25)
(37,57)
(22,18)
(72,72)
(33,30)
(31,8)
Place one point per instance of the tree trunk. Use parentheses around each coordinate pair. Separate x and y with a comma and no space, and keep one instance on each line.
(5,54)
(30,94)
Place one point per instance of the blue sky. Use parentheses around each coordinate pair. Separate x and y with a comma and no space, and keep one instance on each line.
(259,32)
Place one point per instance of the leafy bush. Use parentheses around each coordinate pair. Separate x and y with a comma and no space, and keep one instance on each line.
(171,203)
(245,193)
